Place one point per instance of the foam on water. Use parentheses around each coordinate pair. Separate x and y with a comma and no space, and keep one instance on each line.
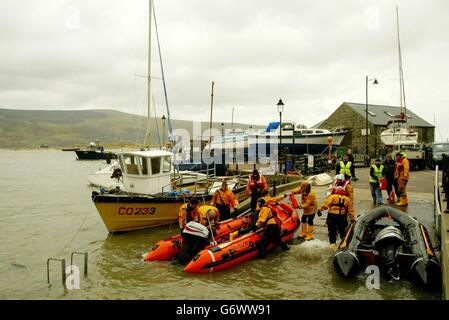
(313,249)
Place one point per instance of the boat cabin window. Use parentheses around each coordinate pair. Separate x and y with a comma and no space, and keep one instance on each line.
(130,164)
(166,164)
(307,131)
(155,166)
(143,165)
(319,131)
(287,127)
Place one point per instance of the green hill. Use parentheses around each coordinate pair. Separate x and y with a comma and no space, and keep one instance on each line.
(58,129)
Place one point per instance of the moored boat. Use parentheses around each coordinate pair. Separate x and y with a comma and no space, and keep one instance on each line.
(394,241)
(148,198)
(243,248)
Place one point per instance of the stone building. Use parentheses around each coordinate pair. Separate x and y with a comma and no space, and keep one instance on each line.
(351,117)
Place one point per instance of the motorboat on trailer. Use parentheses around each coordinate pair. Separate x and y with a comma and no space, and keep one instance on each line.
(394,241)
(298,138)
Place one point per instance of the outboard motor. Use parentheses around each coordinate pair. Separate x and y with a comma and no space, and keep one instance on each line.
(387,241)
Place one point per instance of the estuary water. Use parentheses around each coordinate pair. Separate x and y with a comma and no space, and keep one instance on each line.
(46,211)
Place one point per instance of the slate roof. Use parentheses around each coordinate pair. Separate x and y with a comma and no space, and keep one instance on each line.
(379,115)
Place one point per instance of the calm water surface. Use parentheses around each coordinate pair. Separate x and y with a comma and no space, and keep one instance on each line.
(46,211)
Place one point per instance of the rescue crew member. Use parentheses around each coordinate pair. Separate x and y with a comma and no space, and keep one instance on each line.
(225,201)
(376,172)
(344,167)
(272,226)
(187,212)
(342,183)
(339,208)
(401,176)
(351,159)
(389,168)
(255,216)
(208,215)
(269,199)
(256,184)
(309,205)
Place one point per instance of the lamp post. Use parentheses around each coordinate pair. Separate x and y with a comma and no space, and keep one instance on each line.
(222,144)
(280,105)
(163,130)
(366,117)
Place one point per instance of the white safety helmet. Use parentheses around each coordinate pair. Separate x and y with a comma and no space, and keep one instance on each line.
(340,176)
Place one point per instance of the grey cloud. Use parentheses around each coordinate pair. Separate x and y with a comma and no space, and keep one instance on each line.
(313,54)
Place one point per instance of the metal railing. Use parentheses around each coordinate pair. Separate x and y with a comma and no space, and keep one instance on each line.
(63,267)
(445,180)
(437,204)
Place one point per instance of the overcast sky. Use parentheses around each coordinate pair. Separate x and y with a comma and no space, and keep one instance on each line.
(84,54)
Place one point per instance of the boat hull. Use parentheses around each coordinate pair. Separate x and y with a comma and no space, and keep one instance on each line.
(94,155)
(165,250)
(135,212)
(242,249)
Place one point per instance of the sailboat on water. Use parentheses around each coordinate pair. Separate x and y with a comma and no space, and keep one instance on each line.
(148,197)
(398,129)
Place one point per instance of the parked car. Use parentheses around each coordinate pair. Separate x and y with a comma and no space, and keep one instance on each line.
(438,148)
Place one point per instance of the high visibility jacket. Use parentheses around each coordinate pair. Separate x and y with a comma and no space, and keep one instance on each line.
(345,168)
(271,200)
(257,183)
(378,173)
(266,216)
(202,217)
(402,169)
(185,216)
(338,204)
(309,203)
(224,198)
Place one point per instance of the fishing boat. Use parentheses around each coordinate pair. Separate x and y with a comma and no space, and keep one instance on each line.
(243,248)
(297,138)
(94,152)
(398,129)
(149,197)
(394,241)
(110,177)
(167,249)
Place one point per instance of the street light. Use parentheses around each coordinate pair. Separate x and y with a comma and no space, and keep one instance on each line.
(280,105)
(366,116)
(163,130)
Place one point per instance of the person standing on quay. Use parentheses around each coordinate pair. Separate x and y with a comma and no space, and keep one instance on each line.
(401,176)
(389,169)
(351,159)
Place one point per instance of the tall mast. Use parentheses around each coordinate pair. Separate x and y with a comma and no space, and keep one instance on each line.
(401,70)
(170,128)
(147,140)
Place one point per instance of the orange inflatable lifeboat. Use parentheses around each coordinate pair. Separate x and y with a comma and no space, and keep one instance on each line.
(165,250)
(244,248)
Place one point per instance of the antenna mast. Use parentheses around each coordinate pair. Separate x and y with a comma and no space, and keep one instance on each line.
(147,140)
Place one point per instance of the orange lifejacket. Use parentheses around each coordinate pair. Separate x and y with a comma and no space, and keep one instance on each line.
(256,184)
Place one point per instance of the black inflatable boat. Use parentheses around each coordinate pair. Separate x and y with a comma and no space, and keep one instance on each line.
(393,241)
